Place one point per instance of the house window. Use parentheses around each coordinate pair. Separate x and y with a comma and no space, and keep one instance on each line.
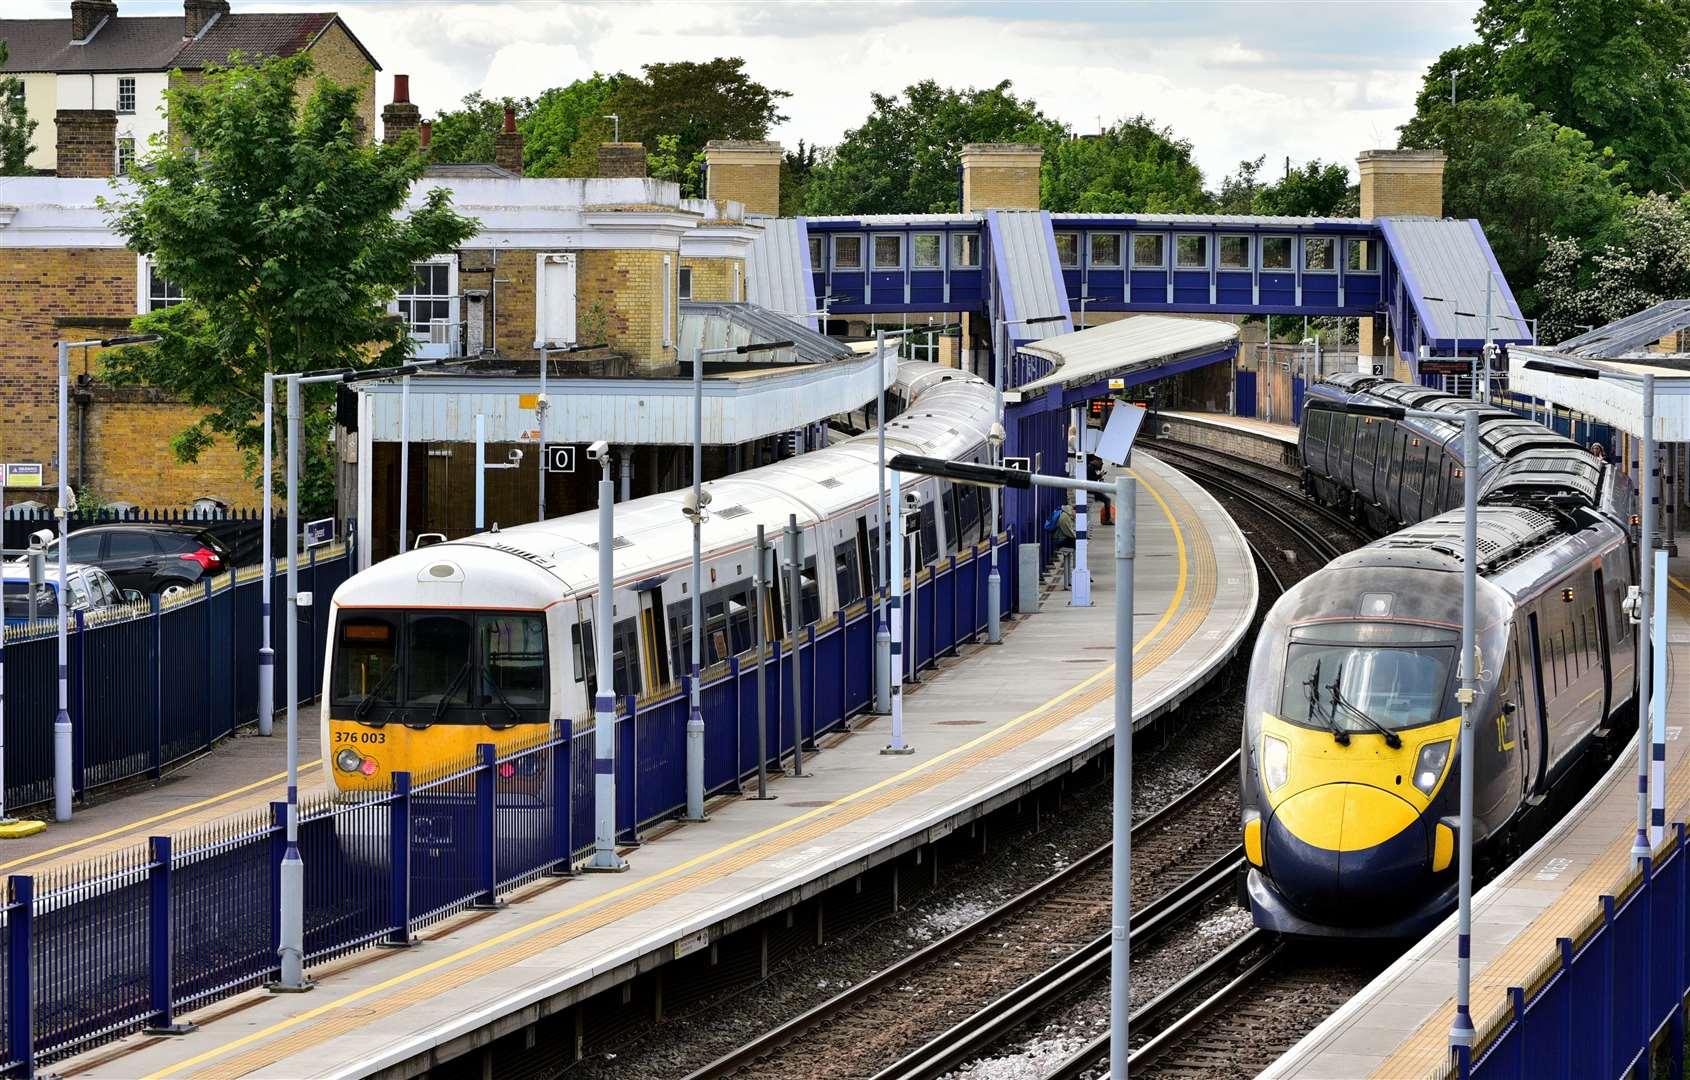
(847,253)
(1319,253)
(1235,252)
(1361,256)
(965,251)
(1191,252)
(125,155)
(1276,253)
(1148,250)
(1105,249)
(686,283)
(161,291)
(429,300)
(815,253)
(1068,249)
(126,94)
(927,251)
(889,252)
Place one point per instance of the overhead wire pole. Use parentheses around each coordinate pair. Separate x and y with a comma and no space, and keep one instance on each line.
(994,583)
(266,649)
(605,858)
(694,510)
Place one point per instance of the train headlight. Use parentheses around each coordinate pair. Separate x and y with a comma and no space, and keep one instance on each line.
(1276,762)
(348,760)
(1430,765)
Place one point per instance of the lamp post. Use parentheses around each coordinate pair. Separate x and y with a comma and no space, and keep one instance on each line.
(605,859)
(1647,748)
(63,785)
(884,691)
(694,510)
(1124,490)
(994,586)
(543,406)
(1461,1029)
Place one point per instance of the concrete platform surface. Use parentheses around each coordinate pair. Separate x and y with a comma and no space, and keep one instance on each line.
(1266,429)
(983,728)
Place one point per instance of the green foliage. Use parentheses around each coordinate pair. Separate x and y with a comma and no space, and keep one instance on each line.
(281,227)
(466,134)
(1316,189)
(695,102)
(16,128)
(666,163)
(1238,190)
(796,169)
(1612,69)
(553,126)
(1646,259)
(904,157)
(1133,166)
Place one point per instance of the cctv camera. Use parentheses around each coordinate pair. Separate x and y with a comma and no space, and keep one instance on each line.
(996,435)
(912,499)
(599,450)
(41,538)
(516,455)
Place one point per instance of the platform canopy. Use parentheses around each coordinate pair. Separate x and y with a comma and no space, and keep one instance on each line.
(1615,398)
(1137,349)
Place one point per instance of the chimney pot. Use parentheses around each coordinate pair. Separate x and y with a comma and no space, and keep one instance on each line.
(510,120)
(425,131)
(401,88)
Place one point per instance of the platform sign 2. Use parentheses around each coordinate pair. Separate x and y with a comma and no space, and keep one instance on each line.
(560,458)
(20,474)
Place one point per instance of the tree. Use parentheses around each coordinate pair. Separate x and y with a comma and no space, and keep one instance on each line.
(16,127)
(1612,69)
(283,230)
(1316,189)
(467,133)
(1133,166)
(1525,178)
(1646,260)
(1238,190)
(556,121)
(695,102)
(796,169)
(904,156)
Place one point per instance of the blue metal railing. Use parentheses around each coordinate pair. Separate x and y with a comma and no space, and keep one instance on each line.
(150,686)
(100,950)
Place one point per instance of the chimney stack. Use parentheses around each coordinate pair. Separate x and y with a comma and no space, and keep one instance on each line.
(197,15)
(86,16)
(1000,176)
(425,132)
(87,145)
(746,171)
(400,118)
(622,159)
(507,145)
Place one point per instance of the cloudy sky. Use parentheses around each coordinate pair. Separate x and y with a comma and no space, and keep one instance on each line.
(1238,79)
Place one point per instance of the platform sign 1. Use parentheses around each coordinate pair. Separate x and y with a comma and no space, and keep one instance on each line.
(1019,463)
(21,474)
(319,532)
(560,458)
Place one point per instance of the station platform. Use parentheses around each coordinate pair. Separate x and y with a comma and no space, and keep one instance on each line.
(986,729)
(1398,1026)
(1243,436)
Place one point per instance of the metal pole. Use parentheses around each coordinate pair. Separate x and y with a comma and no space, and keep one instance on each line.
(1658,710)
(1461,1030)
(542,405)
(61,722)
(605,857)
(896,601)
(1079,588)
(405,463)
(795,603)
(882,631)
(695,711)
(994,584)
(267,654)
(761,580)
(1484,394)
(1120,914)
(913,561)
(480,471)
(293,867)
(1645,654)
(626,491)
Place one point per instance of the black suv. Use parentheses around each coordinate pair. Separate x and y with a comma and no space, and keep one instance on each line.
(151,559)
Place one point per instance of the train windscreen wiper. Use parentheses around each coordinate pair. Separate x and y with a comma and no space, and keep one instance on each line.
(500,694)
(370,699)
(1339,735)
(446,698)
(1392,739)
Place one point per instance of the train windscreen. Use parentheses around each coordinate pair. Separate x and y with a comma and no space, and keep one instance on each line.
(1360,679)
(440,666)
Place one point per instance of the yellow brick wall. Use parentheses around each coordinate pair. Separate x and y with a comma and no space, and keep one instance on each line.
(342,61)
(625,287)
(153,477)
(987,188)
(1401,182)
(713,279)
(756,186)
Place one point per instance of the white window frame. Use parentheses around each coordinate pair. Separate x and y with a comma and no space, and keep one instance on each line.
(1351,243)
(683,282)
(859,265)
(938,262)
(1066,264)
(540,297)
(1249,251)
(669,278)
(1208,251)
(123,166)
(874,250)
(951,244)
(1160,238)
(426,349)
(144,286)
(1091,250)
(1335,250)
(133,95)
(1290,266)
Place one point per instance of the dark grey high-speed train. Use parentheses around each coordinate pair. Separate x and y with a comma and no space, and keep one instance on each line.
(1349,765)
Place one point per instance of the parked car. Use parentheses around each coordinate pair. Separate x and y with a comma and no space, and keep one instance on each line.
(154,560)
(91,589)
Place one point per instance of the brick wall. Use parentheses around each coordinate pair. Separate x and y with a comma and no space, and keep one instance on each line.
(338,58)
(747,172)
(1397,182)
(713,279)
(622,159)
(87,142)
(1001,176)
(129,458)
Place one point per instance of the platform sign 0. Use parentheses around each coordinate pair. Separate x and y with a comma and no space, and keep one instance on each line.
(25,475)
(560,458)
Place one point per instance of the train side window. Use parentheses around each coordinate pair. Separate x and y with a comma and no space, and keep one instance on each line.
(625,656)
(948,501)
(812,597)
(929,537)
(1413,476)
(968,514)
(680,635)
(1320,423)
(845,572)
(739,620)
(584,655)
(865,562)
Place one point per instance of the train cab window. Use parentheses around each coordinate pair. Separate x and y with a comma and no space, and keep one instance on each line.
(1395,675)
(367,660)
(845,572)
(513,658)
(438,649)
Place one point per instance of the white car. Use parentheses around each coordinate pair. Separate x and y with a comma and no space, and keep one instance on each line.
(90,590)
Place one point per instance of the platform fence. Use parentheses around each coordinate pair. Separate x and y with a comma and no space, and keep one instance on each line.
(104,948)
(153,683)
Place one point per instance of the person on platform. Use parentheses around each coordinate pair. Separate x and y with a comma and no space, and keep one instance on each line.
(1060,525)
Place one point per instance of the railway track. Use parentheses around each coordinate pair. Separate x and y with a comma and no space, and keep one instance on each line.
(990,977)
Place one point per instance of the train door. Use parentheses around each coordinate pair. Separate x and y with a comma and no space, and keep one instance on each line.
(654,641)
(1537,715)
(1519,726)
(867,572)
(1604,648)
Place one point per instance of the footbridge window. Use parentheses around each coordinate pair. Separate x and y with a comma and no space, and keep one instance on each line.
(1319,254)
(1276,253)
(1148,250)
(1191,252)
(1361,256)
(1235,252)
(1068,249)
(1105,249)
(965,251)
